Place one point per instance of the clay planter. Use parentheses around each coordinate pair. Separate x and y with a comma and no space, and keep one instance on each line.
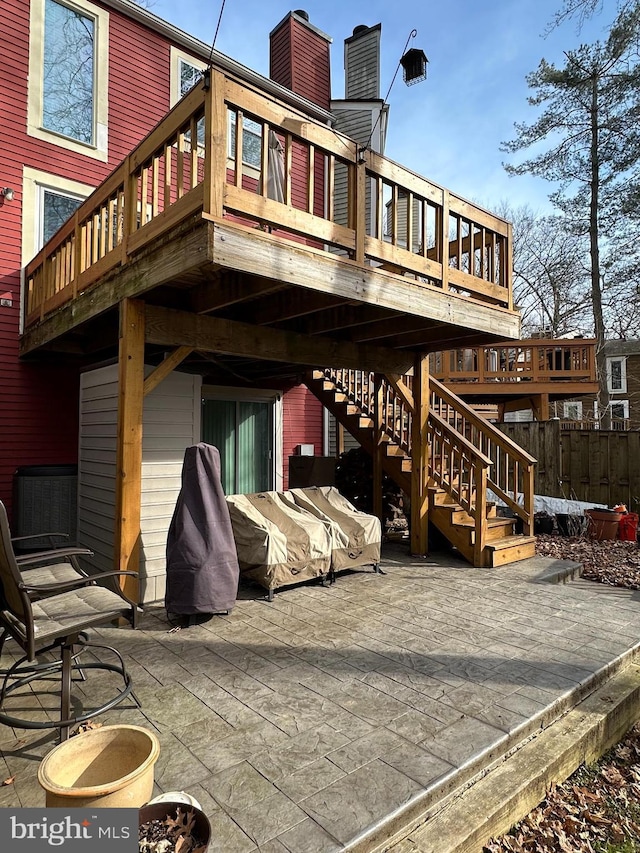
(603,523)
(110,767)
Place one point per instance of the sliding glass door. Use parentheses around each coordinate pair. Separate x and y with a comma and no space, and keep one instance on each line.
(242,430)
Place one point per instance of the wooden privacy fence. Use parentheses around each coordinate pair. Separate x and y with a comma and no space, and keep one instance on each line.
(599,466)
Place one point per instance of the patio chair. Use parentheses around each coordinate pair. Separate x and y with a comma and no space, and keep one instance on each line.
(55,616)
(58,564)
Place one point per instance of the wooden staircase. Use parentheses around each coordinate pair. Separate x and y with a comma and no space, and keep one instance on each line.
(469,462)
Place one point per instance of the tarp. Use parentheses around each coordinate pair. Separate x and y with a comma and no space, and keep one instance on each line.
(355,535)
(202,564)
(277,542)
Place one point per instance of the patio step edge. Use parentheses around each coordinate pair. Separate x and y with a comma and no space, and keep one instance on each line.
(510,788)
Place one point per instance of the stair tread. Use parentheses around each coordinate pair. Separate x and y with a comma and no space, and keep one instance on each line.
(509,541)
(491,522)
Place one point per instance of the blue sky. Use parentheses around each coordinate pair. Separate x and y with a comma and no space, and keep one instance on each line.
(449,127)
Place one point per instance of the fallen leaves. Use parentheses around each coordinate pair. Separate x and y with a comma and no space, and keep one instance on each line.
(596,808)
(171,835)
(9,781)
(610,562)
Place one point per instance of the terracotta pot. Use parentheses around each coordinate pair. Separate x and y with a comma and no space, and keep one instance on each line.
(110,767)
(603,523)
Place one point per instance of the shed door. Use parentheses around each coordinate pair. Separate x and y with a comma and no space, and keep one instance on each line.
(242,430)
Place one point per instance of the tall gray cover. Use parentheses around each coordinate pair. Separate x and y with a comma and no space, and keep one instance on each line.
(202,564)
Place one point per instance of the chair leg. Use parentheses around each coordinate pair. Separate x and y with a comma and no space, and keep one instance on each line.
(65,693)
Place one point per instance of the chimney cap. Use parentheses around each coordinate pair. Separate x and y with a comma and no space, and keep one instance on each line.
(360,30)
(303,18)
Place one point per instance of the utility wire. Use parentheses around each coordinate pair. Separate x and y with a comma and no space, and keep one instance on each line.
(213,43)
(412,35)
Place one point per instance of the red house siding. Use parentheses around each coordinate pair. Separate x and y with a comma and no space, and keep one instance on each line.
(302,424)
(299,60)
(39,402)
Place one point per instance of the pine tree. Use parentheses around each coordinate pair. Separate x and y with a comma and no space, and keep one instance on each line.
(590,130)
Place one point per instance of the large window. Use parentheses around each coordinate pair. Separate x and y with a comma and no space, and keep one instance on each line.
(67,86)
(68,75)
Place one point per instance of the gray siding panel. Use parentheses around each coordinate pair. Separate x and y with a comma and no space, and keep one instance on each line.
(362,66)
(171,423)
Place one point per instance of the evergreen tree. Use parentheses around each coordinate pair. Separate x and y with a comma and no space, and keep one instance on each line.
(587,140)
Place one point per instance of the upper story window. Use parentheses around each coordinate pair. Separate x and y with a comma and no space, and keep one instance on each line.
(251,141)
(617,375)
(68,75)
(189,75)
(186,71)
(67,85)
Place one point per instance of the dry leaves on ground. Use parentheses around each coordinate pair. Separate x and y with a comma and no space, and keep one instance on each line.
(597,810)
(610,561)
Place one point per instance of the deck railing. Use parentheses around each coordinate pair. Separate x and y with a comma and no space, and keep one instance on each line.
(230,151)
(532,360)
(467,455)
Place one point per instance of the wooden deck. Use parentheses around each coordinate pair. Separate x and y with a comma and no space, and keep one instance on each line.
(323,242)
(519,375)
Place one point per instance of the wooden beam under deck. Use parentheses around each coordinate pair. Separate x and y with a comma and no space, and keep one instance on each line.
(167,327)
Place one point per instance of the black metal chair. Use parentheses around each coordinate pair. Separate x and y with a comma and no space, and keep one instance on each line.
(59,563)
(44,617)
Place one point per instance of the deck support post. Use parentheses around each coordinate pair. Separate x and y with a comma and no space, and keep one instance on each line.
(540,405)
(129,442)
(378,448)
(420,457)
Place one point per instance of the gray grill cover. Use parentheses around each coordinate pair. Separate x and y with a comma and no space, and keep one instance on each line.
(202,564)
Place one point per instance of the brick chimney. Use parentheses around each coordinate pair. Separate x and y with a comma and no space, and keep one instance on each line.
(299,58)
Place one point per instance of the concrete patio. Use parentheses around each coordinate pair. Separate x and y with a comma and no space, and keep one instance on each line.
(329,718)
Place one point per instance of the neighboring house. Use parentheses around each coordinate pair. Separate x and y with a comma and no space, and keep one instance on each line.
(623,386)
(82,83)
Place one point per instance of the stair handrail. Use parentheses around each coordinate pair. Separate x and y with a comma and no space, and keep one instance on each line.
(499,464)
(513,468)
(465,483)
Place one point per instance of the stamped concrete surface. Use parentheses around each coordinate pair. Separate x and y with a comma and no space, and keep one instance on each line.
(321,721)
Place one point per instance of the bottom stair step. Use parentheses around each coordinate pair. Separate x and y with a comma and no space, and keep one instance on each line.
(510,549)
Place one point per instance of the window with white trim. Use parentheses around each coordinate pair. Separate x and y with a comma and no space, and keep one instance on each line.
(617,375)
(572,410)
(48,201)
(620,410)
(68,75)
(55,208)
(186,71)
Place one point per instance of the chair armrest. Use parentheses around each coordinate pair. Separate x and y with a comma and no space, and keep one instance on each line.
(65,586)
(26,560)
(49,536)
